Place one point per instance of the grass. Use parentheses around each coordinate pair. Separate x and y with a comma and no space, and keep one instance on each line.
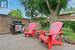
(72,36)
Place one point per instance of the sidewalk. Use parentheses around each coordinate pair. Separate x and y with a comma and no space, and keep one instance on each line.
(19,42)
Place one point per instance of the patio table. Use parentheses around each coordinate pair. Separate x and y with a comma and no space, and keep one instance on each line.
(41,32)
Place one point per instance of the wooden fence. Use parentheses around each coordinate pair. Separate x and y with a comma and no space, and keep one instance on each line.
(5,20)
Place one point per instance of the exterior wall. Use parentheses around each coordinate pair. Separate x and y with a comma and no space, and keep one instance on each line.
(67,17)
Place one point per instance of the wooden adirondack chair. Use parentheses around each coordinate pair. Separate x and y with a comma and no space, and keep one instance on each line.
(31,29)
(56,29)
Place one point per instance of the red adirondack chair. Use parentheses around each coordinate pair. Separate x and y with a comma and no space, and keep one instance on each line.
(56,29)
(31,29)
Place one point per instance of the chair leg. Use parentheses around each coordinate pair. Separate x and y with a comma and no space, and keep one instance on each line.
(25,35)
(49,42)
(60,36)
(34,31)
(41,41)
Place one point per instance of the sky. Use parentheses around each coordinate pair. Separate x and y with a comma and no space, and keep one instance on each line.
(71,3)
(13,4)
(16,4)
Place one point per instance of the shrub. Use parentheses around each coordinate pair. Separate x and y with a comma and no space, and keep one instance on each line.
(70,24)
(66,24)
(67,31)
(44,25)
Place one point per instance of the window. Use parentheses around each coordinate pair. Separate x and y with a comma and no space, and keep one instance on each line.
(3,3)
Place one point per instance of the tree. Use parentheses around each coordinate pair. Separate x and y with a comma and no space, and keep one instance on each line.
(30,7)
(51,8)
(15,13)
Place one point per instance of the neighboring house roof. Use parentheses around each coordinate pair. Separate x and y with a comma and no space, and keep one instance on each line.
(12,17)
(68,12)
(3,15)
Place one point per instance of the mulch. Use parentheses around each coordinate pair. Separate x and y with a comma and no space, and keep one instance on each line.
(70,41)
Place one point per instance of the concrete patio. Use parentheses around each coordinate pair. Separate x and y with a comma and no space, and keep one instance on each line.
(19,42)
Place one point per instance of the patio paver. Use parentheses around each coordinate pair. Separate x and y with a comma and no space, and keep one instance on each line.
(19,42)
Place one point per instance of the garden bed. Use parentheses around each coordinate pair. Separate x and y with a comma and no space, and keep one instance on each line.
(69,41)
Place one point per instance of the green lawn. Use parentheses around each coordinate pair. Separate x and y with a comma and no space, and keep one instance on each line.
(72,36)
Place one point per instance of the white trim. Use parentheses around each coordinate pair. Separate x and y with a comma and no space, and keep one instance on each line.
(67,12)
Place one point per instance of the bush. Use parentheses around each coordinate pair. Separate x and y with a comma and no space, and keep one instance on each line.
(66,24)
(70,24)
(44,25)
(67,31)
(43,22)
